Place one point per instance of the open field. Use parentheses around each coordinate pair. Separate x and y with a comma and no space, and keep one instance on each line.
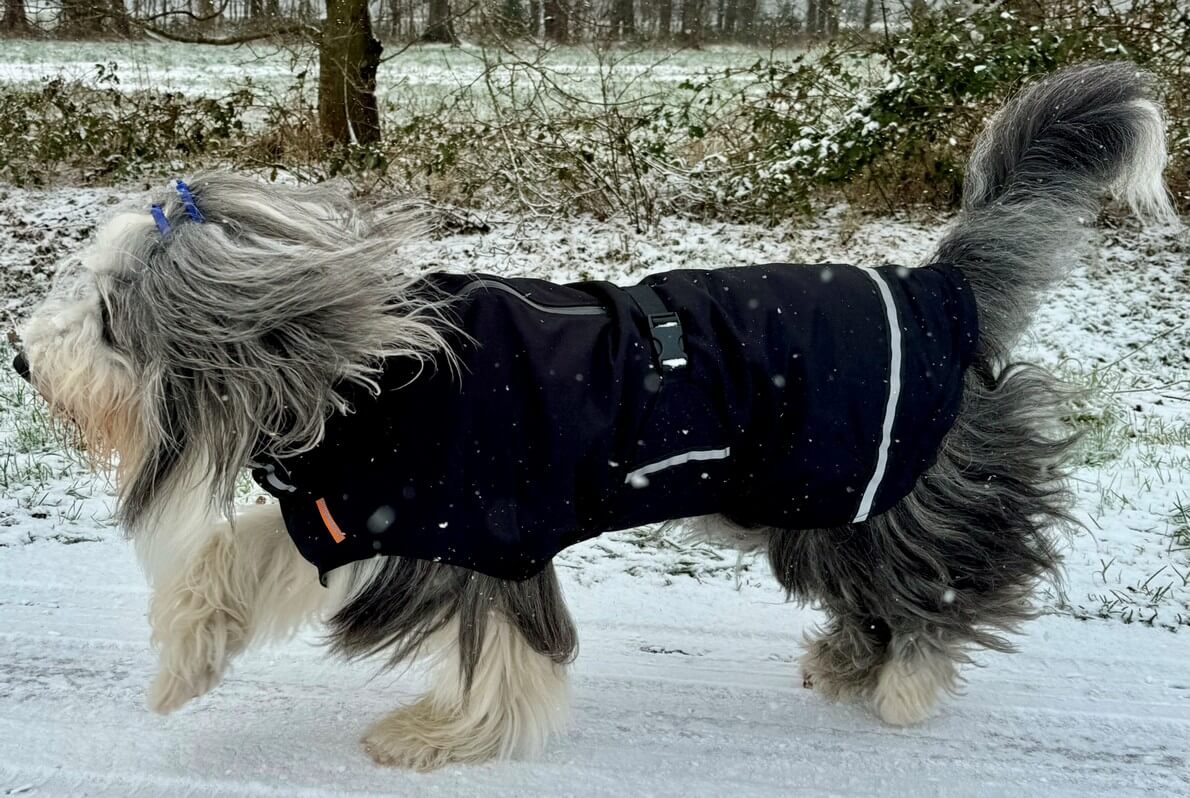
(413,80)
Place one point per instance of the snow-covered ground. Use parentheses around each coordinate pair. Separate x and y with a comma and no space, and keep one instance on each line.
(682,689)
(408,80)
(687,683)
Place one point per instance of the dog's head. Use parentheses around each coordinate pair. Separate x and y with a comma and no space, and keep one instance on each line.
(186,339)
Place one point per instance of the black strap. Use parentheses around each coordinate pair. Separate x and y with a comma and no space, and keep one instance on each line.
(664,326)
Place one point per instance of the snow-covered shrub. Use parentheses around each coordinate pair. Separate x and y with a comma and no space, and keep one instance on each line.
(93,131)
(891,119)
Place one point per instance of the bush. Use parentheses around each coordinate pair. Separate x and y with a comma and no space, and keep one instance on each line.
(92,131)
(884,121)
(897,117)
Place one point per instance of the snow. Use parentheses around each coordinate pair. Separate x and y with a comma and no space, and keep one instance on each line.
(416,81)
(681,689)
(687,682)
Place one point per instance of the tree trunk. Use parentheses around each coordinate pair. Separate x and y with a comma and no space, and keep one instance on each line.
(869,14)
(730,14)
(509,18)
(15,19)
(557,21)
(119,17)
(206,8)
(535,18)
(440,27)
(745,18)
(623,18)
(394,22)
(81,17)
(692,21)
(347,62)
(665,19)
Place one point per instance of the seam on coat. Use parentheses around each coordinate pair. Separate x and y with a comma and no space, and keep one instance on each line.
(560,310)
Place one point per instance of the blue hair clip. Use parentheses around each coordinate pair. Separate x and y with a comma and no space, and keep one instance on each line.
(188,203)
(159,218)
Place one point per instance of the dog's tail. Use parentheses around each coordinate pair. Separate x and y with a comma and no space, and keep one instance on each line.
(1035,182)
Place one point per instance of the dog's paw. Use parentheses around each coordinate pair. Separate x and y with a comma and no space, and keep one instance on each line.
(171,690)
(198,626)
(831,673)
(419,737)
(193,663)
(197,643)
(907,690)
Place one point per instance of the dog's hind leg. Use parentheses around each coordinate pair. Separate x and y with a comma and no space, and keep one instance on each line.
(886,638)
(498,686)
(246,583)
(843,656)
(952,566)
(517,699)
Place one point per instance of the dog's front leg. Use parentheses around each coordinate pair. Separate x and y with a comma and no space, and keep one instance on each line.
(517,696)
(244,584)
(516,702)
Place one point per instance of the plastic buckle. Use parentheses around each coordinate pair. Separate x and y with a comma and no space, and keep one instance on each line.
(667,340)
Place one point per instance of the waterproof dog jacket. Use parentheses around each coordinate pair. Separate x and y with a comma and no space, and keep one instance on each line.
(786,396)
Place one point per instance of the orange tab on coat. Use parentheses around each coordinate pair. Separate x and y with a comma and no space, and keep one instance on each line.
(329,520)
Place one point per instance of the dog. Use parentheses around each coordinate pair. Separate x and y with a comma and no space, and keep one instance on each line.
(433,442)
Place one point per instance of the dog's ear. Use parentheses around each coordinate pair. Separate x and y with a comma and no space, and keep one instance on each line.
(248,323)
(156,466)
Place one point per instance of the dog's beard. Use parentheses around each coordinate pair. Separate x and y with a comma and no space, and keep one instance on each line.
(94,402)
(106,439)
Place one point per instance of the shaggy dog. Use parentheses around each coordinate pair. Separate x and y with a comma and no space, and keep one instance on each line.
(241,325)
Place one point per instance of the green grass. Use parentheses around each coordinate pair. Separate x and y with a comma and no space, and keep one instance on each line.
(1136,458)
(1179,526)
(26,433)
(46,489)
(32,451)
(1110,426)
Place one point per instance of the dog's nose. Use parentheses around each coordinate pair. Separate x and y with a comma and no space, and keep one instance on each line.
(21,365)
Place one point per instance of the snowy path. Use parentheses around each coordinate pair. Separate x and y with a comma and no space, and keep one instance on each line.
(684,689)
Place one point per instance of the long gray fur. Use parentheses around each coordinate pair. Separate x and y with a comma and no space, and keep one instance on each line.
(955,564)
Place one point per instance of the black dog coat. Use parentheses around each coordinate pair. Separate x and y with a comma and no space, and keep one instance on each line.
(796,397)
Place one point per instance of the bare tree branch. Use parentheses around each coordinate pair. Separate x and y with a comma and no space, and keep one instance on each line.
(182,13)
(285,30)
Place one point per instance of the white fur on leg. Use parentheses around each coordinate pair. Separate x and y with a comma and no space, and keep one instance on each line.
(517,700)
(911,682)
(246,584)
